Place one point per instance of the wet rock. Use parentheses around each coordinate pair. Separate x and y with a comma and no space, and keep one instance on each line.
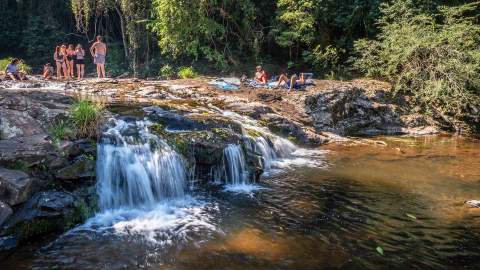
(41,213)
(8,242)
(81,167)
(285,127)
(15,186)
(5,212)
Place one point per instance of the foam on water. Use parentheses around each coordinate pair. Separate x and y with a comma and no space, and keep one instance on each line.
(142,188)
(35,84)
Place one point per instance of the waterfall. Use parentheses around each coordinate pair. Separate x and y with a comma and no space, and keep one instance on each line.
(137,168)
(234,165)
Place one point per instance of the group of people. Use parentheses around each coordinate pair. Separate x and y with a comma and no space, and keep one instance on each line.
(68,61)
(294,82)
(67,58)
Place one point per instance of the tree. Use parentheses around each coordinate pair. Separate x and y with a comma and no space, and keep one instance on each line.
(434,56)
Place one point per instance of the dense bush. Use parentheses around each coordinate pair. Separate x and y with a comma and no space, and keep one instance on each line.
(167,72)
(187,73)
(434,56)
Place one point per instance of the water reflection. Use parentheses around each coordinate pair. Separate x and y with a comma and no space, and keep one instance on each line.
(406,197)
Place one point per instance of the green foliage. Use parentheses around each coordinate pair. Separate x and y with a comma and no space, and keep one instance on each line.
(187,73)
(433,56)
(115,62)
(61,130)
(208,29)
(167,72)
(327,62)
(22,66)
(86,116)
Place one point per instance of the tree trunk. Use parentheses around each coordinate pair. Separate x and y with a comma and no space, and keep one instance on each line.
(122,27)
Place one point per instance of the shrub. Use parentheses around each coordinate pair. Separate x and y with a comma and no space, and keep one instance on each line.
(60,130)
(434,57)
(187,73)
(86,116)
(167,72)
(23,67)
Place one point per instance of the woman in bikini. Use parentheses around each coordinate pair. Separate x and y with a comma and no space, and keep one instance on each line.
(58,62)
(80,61)
(71,60)
(63,55)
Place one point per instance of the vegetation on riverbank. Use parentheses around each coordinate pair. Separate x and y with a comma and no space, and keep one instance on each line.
(83,122)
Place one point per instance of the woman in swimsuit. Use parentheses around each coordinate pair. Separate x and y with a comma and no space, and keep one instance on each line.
(71,60)
(58,62)
(80,61)
(63,55)
(293,83)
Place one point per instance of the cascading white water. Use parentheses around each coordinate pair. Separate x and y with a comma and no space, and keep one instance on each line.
(138,170)
(234,165)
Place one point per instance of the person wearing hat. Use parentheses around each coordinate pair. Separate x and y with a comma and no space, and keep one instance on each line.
(261,75)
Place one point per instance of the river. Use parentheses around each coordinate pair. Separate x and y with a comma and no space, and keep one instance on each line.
(398,205)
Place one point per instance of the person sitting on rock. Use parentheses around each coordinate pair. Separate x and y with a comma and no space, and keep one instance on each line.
(261,75)
(47,71)
(293,83)
(12,70)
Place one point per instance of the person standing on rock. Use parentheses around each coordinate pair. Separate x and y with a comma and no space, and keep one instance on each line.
(99,52)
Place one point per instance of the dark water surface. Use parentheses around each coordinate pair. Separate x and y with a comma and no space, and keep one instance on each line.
(405,199)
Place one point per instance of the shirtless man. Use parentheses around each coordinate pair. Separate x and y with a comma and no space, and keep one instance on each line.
(99,51)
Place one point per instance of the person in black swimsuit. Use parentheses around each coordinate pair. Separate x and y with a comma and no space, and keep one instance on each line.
(80,61)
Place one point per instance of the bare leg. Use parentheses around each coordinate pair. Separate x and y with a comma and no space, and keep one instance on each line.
(65,71)
(82,71)
(102,68)
(72,69)
(12,76)
(283,78)
(99,71)
(293,80)
(59,70)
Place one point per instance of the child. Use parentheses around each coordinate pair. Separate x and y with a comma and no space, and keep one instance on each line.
(47,71)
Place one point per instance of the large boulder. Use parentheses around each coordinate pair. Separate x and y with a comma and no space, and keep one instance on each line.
(348,110)
(15,186)
(30,151)
(47,212)
(26,113)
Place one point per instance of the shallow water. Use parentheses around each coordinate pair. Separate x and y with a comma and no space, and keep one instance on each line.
(332,212)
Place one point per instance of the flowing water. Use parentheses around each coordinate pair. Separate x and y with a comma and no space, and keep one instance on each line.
(335,208)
